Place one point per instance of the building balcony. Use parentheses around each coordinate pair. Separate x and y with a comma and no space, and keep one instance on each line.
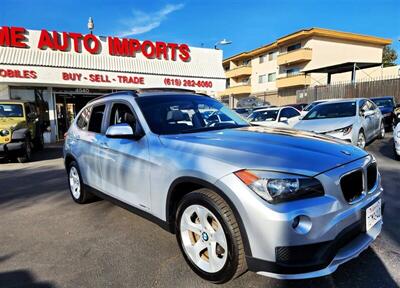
(242,88)
(293,81)
(238,71)
(296,56)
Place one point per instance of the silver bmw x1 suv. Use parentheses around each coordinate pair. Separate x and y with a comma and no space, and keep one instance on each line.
(279,202)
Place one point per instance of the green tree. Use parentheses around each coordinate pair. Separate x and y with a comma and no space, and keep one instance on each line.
(389,56)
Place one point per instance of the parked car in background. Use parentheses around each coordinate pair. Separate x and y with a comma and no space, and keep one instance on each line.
(358,121)
(284,204)
(244,112)
(20,130)
(275,117)
(396,141)
(313,104)
(387,105)
(251,102)
(298,106)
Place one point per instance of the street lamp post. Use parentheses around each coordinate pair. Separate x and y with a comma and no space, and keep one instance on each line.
(222,42)
(90,25)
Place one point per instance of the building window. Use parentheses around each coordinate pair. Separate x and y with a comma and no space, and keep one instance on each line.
(271,77)
(272,55)
(262,58)
(246,62)
(294,47)
(292,71)
(262,78)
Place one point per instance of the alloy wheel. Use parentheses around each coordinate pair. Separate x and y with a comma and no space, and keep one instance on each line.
(361,140)
(203,238)
(74,182)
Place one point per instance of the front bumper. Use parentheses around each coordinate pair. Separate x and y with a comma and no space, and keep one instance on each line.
(277,250)
(8,148)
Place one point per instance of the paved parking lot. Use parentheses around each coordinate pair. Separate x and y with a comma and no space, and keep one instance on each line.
(48,241)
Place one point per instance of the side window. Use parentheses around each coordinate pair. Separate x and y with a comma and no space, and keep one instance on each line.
(96,118)
(284,113)
(371,105)
(121,113)
(292,113)
(83,120)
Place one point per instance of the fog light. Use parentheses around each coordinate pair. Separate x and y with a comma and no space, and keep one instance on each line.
(302,224)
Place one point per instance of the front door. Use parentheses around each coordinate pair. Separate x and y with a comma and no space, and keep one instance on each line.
(125,162)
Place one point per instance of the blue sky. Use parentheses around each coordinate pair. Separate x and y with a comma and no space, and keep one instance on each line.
(248,24)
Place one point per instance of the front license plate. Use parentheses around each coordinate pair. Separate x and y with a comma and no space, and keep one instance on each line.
(373,214)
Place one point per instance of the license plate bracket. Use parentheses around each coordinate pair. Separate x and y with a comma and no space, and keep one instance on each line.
(371,214)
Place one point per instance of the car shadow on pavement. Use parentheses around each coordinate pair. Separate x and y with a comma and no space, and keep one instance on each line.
(21,278)
(365,271)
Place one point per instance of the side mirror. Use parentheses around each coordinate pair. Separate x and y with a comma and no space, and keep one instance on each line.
(283,119)
(124,131)
(368,113)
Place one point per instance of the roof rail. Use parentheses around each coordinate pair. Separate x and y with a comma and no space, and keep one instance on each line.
(162,89)
(128,92)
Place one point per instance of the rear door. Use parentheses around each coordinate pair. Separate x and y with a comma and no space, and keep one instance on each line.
(125,162)
(89,141)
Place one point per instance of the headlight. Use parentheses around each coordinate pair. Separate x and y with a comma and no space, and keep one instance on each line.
(345,130)
(4,132)
(279,187)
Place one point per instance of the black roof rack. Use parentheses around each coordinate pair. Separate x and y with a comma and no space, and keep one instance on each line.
(162,89)
(128,92)
(136,93)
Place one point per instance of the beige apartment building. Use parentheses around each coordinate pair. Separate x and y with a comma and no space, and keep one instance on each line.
(277,71)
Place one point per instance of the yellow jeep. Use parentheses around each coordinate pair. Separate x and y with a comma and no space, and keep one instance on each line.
(20,130)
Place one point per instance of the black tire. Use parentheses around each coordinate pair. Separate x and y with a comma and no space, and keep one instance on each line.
(236,262)
(382,131)
(396,156)
(84,195)
(26,152)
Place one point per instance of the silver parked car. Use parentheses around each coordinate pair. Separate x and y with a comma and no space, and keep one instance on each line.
(357,121)
(283,203)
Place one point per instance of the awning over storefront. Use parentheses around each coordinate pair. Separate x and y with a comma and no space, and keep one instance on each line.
(74,59)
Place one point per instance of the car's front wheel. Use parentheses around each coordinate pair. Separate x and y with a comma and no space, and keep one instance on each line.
(361,140)
(209,236)
(76,187)
(26,153)
(382,131)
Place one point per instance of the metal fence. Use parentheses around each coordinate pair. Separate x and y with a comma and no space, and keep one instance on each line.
(364,89)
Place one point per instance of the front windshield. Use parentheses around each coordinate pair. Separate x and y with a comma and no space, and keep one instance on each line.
(312,105)
(383,102)
(175,114)
(268,115)
(11,110)
(332,110)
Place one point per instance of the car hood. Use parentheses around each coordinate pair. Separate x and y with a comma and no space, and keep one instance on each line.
(8,122)
(276,149)
(324,125)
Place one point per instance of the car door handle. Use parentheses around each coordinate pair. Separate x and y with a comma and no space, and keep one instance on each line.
(104,145)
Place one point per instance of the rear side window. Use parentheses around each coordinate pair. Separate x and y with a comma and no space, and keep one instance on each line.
(83,120)
(96,118)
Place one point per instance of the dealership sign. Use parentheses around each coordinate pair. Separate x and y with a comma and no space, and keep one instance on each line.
(69,41)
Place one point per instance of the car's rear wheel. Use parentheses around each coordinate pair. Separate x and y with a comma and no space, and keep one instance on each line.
(26,153)
(76,187)
(382,131)
(209,236)
(361,140)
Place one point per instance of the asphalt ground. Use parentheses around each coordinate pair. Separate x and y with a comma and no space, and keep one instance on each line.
(46,240)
